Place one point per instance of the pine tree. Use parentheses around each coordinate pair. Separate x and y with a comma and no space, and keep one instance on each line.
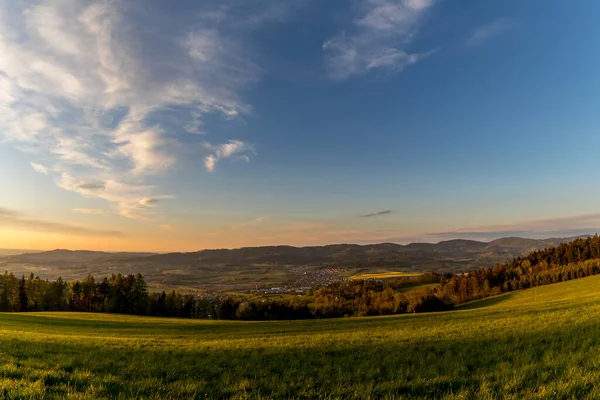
(23,306)
(139,294)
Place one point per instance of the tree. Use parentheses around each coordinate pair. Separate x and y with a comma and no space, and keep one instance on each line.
(88,292)
(23,302)
(139,295)
(102,292)
(76,298)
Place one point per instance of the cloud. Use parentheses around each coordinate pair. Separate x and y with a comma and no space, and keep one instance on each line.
(490,236)
(91,186)
(153,201)
(542,228)
(252,222)
(107,98)
(128,198)
(377,39)
(15,220)
(577,221)
(90,211)
(375,214)
(486,32)
(268,11)
(233,148)
(210,162)
(39,168)
(578,225)
(168,228)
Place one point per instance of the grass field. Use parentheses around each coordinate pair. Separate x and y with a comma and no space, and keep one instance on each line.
(385,275)
(421,287)
(539,343)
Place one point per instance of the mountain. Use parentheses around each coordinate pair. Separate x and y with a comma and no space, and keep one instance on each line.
(332,255)
(274,265)
(71,256)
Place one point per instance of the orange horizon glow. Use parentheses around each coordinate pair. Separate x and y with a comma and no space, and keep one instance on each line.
(169,242)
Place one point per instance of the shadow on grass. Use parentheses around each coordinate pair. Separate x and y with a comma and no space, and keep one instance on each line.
(519,363)
(490,301)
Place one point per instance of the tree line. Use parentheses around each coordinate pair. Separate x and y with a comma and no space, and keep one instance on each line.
(576,259)
(129,294)
(117,294)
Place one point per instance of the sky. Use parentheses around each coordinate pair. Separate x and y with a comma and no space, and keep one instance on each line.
(185,125)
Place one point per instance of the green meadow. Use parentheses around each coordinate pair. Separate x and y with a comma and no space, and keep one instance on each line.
(541,343)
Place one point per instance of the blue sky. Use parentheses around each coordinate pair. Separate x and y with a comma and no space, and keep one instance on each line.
(187,125)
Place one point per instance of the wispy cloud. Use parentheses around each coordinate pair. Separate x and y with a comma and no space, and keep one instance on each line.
(91,211)
(80,88)
(542,228)
(234,148)
(490,236)
(251,223)
(377,39)
(91,186)
(15,220)
(577,225)
(153,201)
(485,32)
(39,168)
(549,224)
(376,214)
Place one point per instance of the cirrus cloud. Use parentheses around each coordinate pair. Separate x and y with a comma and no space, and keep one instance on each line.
(376,214)
(378,38)
(80,87)
(234,148)
(495,28)
(90,211)
(39,168)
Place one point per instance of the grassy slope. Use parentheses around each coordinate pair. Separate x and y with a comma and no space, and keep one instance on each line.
(385,275)
(539,343)
(423,287)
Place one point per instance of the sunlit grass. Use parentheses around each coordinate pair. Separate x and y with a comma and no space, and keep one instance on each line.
(418,288)
(385,275)
(539,343)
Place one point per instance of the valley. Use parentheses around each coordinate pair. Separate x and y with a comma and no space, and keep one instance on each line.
(274,266)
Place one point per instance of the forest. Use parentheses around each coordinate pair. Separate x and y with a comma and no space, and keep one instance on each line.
(129,294)
(576,259)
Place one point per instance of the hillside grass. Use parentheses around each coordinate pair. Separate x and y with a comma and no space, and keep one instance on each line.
(418,288)
(539,343)
(385,275)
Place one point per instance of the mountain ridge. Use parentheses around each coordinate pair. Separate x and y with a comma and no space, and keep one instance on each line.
(271,266)
(263,253)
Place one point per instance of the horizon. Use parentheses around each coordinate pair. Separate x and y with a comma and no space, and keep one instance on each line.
(182,126)
(25,251)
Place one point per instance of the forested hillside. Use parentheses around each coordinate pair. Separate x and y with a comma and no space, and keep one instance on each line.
(572,260)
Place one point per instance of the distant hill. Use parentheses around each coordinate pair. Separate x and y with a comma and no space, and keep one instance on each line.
(11,252)
(468,253)
(71,256)
(334,255)
(275,265)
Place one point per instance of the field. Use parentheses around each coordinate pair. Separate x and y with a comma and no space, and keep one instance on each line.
(538,343)
(385,275)
(420,287)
